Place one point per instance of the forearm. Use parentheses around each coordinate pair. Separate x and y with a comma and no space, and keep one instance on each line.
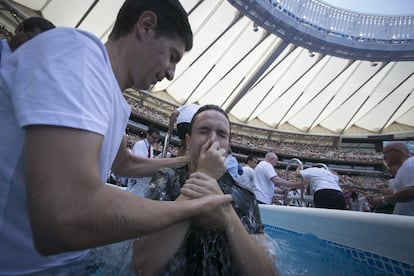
(406,194)
(104,216)
(140,167)
(153,252)
(248,254)
(283,183)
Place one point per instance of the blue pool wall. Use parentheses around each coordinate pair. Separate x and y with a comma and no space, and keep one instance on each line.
(391,237)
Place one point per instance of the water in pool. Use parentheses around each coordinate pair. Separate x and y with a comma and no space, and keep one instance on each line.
(296,254)
(305,254)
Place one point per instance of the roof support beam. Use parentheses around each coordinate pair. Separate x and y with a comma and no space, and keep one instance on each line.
(272,57)
(14,9)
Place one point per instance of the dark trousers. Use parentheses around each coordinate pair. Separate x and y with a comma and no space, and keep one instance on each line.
(330,199)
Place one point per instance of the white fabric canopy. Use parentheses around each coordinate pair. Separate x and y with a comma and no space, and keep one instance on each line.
(298,91)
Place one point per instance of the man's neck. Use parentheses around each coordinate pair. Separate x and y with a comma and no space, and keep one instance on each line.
(115,56)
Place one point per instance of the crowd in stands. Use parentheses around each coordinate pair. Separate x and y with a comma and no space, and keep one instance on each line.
(4,33)
(364,185)
(252,142)
(308,150)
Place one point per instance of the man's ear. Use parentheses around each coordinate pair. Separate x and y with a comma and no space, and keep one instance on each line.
(146,24)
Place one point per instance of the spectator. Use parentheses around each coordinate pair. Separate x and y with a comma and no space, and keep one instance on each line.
(265,179)
(228,243)
(247,178)
(325,187)
(184,116)
(145,148)
(63,127)
(233,166)
(398,154)
(25,31)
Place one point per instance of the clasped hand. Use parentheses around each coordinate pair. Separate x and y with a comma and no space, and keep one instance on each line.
(198,185)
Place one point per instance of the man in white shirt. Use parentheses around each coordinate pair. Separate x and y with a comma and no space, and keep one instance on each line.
(266,179)
(63,117)
(398,153)
(247,178)
(145,147)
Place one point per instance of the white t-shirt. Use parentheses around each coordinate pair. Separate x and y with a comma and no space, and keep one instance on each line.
(320,179)
(247,178)
(232,166)
(62,77)
(140,149)
(5,51)
(264,187)
(403,179)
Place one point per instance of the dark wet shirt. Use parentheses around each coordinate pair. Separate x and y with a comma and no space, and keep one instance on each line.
(205,252)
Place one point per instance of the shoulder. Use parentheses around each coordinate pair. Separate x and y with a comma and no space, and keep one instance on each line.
(166,184)
(247,169)
(66,36)
(138,143)
(63,41)
(309,171)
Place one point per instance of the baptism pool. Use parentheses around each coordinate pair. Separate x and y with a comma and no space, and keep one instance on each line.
(313,241)
(310,241)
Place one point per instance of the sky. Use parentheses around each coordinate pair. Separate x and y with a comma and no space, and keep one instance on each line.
(380,7)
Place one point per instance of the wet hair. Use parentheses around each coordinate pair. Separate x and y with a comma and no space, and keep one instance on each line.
(209,107)
(34,23)
(172,19)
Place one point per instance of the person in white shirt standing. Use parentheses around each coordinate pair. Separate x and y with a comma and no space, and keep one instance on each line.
(63,117)
(398,153)
(145,147)
(266,179)
(247,178)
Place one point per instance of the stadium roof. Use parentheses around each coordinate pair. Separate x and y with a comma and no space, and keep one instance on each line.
(297,66)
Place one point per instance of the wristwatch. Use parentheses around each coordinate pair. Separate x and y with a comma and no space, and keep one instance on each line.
(384,201)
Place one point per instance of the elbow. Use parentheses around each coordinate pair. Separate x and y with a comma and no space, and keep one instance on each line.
(46,244)
(46,248)
(51,237)
(118,169)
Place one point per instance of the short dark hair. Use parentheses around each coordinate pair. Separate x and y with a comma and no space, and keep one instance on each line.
(250,157)
(183,129)
(152,130)
(172,19)
(209,107)
(40,23)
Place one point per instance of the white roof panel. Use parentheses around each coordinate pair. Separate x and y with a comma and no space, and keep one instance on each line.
(283,88)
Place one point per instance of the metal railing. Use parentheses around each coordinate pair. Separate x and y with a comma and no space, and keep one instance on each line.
(348,24)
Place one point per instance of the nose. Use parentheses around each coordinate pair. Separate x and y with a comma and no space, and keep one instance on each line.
(170,72)
(214,137)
